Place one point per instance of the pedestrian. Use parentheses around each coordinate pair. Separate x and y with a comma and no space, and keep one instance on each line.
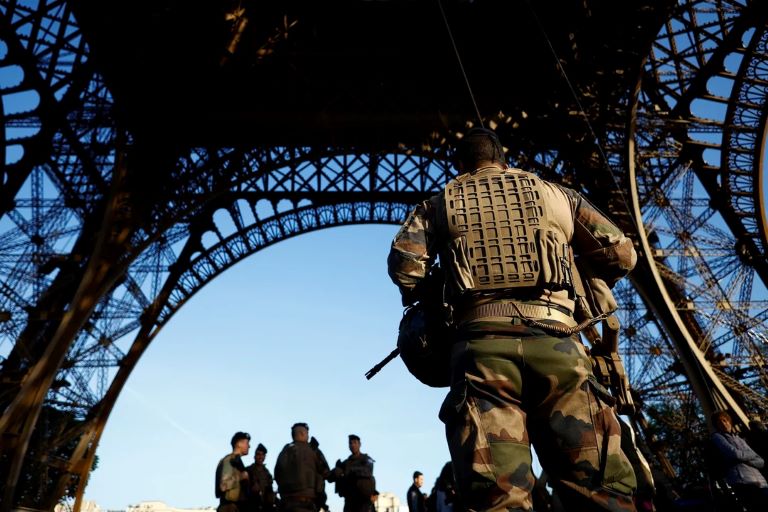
(741,464)
(417,500)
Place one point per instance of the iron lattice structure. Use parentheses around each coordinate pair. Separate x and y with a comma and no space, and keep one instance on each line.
(94,261)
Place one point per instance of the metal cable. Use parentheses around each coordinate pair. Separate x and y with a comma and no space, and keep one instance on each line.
(461,64)
(595,138)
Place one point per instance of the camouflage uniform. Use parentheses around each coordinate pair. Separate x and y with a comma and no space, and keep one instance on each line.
(232,498)
(513,384)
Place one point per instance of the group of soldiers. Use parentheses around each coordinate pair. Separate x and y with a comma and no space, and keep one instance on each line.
(301,471)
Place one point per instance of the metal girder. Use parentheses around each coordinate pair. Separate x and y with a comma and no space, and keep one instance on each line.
(670,152)
(45,43)
(20,415)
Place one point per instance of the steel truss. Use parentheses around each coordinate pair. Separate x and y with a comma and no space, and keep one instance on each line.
(92,266)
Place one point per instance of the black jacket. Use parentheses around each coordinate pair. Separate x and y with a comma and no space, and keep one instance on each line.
(416,500)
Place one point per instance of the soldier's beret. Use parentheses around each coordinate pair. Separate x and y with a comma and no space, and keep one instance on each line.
(261,448)
(353,437)
(302,425)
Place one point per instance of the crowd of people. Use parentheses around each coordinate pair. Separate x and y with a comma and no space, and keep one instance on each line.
(301,471)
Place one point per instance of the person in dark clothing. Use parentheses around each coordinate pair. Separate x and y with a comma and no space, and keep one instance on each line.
(300,473)
(417,500)
(757,438)
(354,478)
(443,495)
(741,464)
(261,497)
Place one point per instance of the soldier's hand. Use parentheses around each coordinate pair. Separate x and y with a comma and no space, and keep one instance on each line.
(243,475)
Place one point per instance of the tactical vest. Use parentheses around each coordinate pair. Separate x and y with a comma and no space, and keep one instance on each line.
(499,236)
(229,482)
(297,468)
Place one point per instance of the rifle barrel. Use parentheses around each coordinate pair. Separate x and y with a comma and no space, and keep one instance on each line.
(376,369)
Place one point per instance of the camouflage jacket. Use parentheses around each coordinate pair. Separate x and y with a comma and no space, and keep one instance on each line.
(229,484)
(592,236)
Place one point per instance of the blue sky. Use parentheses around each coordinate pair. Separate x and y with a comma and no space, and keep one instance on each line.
(284,336)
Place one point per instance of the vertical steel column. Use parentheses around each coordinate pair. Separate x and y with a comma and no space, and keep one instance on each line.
(103,270)
(711,392)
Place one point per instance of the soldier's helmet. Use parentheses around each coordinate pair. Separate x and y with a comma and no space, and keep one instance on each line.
(424,348)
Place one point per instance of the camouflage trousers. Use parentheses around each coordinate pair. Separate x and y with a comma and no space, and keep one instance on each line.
(513,386)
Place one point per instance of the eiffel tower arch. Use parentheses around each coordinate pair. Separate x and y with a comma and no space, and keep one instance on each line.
(150,146)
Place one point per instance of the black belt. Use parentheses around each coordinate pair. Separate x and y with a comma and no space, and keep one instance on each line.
(302,499)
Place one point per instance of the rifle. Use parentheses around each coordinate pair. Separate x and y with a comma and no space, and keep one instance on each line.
(384,362)
(594,297)
(428,294)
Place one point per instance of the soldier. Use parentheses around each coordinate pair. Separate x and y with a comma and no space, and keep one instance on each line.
(262,496)
(506,241)
(300,471)
(231,477)
(354,478)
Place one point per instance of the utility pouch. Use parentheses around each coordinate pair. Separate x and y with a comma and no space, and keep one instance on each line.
(454,402)
(615,471)
(601,392)
(555,261)
(459,268)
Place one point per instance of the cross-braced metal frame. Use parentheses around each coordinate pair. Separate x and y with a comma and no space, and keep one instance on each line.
(93,263)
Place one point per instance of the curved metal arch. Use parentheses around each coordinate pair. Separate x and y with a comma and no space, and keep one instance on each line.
(677,191)
(692,49)
(744,128)
(184,285)
(251,176)
(710,391)
(644,190)
(218,258)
